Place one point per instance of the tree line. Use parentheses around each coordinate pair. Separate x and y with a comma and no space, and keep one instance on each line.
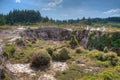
(22,17)
(32,16)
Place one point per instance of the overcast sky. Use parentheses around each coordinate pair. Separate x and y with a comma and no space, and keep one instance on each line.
(65,9)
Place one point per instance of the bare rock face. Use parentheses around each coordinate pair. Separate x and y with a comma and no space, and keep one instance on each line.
(87,38)
(1,50)
(59,34)
(56,34)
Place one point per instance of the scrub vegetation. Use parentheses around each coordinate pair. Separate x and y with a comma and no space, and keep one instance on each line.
(82,49)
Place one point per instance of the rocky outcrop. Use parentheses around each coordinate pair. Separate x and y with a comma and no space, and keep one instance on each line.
(95,38)
(56,34)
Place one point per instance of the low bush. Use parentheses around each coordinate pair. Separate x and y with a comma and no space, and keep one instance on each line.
(103,63)
(20,42)
(50,51)
(114,61)
(106,75)
(62,55)
(95,54)
(73,42)
(73,73)
(41,58)
(100,56)
(29,44)
(9,51)
(79,50)
(111,56)
(106,49)
(117,50)
(55,56)
(111,74)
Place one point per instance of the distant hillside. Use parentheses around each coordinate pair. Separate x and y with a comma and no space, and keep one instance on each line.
(31,16)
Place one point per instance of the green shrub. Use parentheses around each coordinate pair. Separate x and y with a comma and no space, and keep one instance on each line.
(3,75)
(79,50)
(20,42)
(41,58)
(29,44)
(106,56)
(9,51)
(100,56)
(117,50)
(114,61)
(50,51)
(117,68)
(7,78)
(67,44)
(106,49)
(95,54)
(106,75)
(64,54)
(73,73)
(103,63)
(109,56)
(73,42)
(55,56)
(109,74)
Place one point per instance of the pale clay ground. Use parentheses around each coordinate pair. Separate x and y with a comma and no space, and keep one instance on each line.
(25,68)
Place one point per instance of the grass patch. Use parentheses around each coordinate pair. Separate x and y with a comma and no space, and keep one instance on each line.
(71,74)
